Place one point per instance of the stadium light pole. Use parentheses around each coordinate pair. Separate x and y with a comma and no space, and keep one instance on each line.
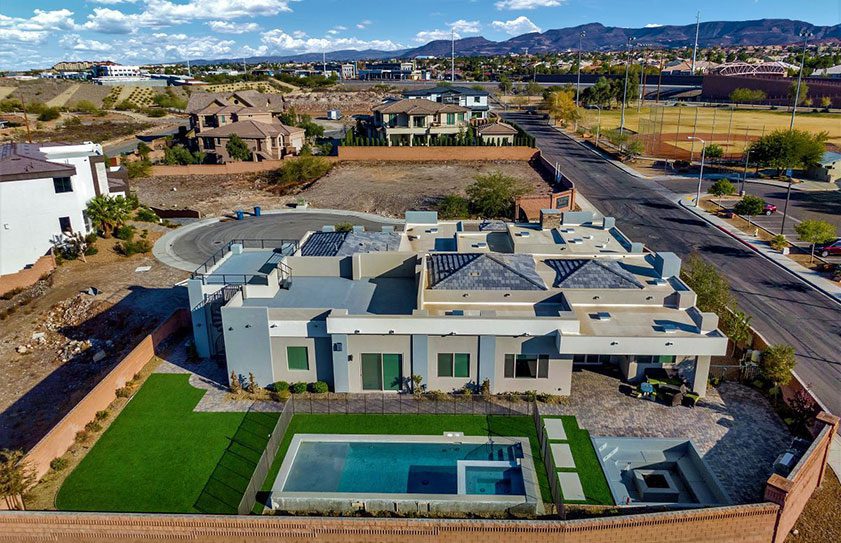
(598,124)
(701,174)
(805,35)
(625,91)
(745,174)
(578,81)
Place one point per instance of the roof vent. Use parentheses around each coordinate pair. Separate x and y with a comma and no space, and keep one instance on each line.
(524,234)
(577,241)
(432,231)
(601,316)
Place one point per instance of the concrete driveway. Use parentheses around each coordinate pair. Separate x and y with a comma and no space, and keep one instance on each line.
(189,246)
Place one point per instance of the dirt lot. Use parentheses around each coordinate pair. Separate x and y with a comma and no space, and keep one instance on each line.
(50,342)
(385,188)
(317,103)
(820,521)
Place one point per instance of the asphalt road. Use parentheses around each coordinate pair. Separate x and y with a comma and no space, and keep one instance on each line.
(197,245)
(784,309)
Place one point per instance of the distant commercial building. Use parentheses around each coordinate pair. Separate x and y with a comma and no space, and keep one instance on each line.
(44,190)
(462,304)
(475,100)
(389,71)
(117,70)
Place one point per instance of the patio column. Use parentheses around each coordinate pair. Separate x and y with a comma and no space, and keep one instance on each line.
(341,380)
(487,360)
(702,373)
(420,357)
(199,317)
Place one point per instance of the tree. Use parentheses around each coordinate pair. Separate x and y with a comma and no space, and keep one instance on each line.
(749,206)
(632,149)
(493,195)
(784,149)
(181,156)
(804,92)
(711,288)
(108,212)
(561,106)
(777,363)
(505,85)
(453,206)
(747,96)
(714,150)
(736,324)
(600,94)
(16,477)
(826,102)
(533,88)
(721,188)
(814,232)
(237,148)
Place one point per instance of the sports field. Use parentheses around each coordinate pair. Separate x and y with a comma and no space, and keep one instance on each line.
(666,129)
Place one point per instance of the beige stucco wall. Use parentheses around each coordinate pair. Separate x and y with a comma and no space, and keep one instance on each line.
(388,344)
(560,367)
(280,367)
(452,344)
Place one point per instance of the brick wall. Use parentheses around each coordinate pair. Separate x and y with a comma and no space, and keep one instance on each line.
(792,492)
(435,154)
(62,435)
(745,524)
(27,277)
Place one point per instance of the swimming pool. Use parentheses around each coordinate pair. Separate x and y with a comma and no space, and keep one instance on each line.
(348,471)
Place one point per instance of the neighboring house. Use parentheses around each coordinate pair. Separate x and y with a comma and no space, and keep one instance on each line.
(828,169)
(684,67)
(458,303)
(498,133)
(251,115)
(417,122)
(475,100)
(833,72)
(44,190)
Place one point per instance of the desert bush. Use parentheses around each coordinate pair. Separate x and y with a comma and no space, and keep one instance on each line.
(49,114)
(123,392)
(281,386)
(93,426)
(124,232)
(298,388)
(305,169)
(344,227)
(102,415)
(144,214)
(454,206)
(319,387)
(58,464)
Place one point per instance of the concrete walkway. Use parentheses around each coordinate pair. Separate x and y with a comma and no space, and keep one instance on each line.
(822,284)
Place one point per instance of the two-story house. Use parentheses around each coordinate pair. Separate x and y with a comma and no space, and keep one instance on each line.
(216,117)
(473,99)
(418,122)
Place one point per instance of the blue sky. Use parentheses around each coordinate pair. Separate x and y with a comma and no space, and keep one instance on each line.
(38,33)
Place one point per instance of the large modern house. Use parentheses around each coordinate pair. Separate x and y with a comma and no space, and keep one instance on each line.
(474,99)
(44,190)
(251,115)
(417,122)
(457,303)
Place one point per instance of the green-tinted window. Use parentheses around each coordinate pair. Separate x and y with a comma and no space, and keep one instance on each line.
(372,371)
(297,359)
(461,365)
(392,372)
(445,365)
(451,118)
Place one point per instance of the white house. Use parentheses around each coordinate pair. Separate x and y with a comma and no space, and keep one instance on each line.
(44,189)
(473,99)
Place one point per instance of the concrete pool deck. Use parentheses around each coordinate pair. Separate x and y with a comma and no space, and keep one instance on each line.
(352,501)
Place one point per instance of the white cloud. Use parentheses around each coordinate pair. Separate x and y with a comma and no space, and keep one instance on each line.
(363,24)
(340,27)
(515,27)
(527,4)
(161,47)
(227,27)
(21,36)
(465,27)
(111,21)
(36,28)
(653,25)
(277,40)
(74,42)
(173,13)
(425,36)
(112,1)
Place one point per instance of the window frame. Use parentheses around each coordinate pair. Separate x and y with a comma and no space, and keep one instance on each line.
(65,182)
(541,370)
(449,362)
(289,357)
(69,225)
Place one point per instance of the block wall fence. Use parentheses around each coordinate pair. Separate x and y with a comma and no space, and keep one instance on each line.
(435,154)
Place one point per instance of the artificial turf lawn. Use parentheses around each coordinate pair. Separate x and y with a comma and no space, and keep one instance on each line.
(471,425)
(587,465)
(160,456)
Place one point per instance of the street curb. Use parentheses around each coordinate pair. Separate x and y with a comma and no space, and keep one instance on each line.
(761,253)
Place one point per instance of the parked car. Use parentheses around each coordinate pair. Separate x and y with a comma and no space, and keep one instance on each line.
(770,208)
(832,248)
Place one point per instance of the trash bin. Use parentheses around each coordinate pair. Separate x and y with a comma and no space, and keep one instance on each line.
(240,214)
(257,211)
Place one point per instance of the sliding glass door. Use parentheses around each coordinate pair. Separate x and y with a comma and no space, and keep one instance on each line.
(382,371)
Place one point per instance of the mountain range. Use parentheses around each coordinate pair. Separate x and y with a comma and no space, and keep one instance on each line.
(597,38)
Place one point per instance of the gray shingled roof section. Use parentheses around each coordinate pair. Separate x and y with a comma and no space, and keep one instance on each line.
(583,273)
(474,271)
(347,244)
(492,226)
(323,244)
(369,242)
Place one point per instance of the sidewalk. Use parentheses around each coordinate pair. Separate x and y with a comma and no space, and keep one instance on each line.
(829,288)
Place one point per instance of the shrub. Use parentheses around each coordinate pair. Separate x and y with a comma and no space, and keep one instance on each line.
(319,387)
(305,169)
(58,464)
(178,155)
(49,114)
(72,121)
(124,232)
(139,168)
(777,363)
(154,112)
(144,214)
(236,385)
(82,436)
(454,206)
(438,395)
(133,247)
(102,415)
(85,106)
(298,388)
(251,387)
(344,227)
(714,150)
(91,250)
(123,392)
(93,426)
(721,188)
(125,105)
(492,195)
(779,242)
(281,386)
(750,205)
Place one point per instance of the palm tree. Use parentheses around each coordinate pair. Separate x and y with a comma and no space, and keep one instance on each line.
(107,213)
(16,478)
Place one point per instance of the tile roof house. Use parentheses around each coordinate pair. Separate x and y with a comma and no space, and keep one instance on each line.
(497,133)
(410,122)
(251,115)
(474,99)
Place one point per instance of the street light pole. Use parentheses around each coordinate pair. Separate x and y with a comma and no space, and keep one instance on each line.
(701,174)
(805,35)
(598,124)
(625,91)
(578,82)
(745,175)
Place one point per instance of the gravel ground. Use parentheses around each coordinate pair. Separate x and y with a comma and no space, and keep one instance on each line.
(385,188)
(820,521)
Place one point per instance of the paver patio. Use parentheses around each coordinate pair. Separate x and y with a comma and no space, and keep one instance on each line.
(734,427)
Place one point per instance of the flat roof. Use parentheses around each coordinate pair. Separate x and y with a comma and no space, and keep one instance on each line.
(249,262)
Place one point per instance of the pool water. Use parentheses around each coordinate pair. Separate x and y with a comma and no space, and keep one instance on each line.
(403,468)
